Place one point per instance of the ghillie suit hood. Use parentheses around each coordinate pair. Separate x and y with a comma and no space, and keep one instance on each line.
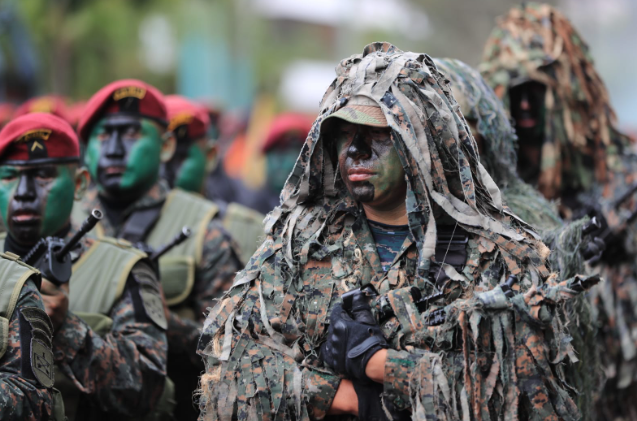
(537,43)
(436,148)
(479,104)
(493,356)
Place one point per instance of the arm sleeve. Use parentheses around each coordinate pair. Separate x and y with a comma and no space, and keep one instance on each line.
(252,371)
(22,397)
(123,371)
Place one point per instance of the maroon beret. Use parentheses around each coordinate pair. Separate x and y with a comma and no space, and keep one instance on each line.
(186,119)
(126,97)
(51,104)
(38,138)
(295,124)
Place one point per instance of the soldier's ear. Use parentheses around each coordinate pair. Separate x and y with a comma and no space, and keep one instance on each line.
(168,145)
(82,180)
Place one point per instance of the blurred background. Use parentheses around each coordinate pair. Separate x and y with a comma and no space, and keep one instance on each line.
(253,59)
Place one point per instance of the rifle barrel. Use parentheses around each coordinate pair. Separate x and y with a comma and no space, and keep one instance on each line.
(179,238)
(88,224)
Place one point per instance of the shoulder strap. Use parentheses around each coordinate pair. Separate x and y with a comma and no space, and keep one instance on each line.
(183,208)
(139,224)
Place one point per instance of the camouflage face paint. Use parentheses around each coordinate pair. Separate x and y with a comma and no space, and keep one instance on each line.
(36,201)
(192,171)
(280,163)
(123,156)
(369,164)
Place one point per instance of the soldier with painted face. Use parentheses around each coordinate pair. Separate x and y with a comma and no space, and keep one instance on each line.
(389,195)
(195,155)
(125,129)
(569,243)
(109,345)
(544,72)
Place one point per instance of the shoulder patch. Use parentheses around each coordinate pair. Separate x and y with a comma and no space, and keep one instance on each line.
(40,341)
(42,363)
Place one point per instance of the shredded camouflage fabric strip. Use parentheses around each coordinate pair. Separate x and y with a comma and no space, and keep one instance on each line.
(493,357)
(488,120)
(539,44)
(583,151)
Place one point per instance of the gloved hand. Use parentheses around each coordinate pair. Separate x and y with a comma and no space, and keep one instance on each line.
(351,343)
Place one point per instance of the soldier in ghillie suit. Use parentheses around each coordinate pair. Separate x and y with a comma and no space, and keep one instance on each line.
(389,195)
(570,148)
(124,127)
(570,245)
(26,358)
(109,345)
(194,158)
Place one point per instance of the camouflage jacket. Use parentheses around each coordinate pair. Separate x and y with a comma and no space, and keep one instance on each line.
(492,357)
(121,372)
(583,152)
(22,396)
(268,363)
(213,275)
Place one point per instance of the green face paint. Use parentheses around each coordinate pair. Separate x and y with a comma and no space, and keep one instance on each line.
(123,156)
(369,165)
(280,163)
(192,172)
(36,201)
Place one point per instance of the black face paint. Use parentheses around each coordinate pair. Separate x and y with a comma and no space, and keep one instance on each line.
(527,110)
(121,134)
(358,149)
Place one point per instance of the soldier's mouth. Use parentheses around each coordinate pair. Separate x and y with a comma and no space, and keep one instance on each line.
(114,171)
(359,174)
(25,217)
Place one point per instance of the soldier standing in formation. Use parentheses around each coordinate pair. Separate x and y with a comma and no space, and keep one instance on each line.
(389,192)
(571,150)
(109,345)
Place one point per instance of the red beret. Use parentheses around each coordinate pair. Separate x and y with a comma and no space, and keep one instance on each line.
(6,113)
(127,97)
(38,138)
(50,104)
(284,124)
(186,119)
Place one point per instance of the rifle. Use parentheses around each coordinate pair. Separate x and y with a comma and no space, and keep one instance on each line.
(182,236)
(435,317)
(51,255)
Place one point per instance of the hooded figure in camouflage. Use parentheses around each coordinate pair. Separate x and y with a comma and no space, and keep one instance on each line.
(542,69)
(388,195)
(570,245)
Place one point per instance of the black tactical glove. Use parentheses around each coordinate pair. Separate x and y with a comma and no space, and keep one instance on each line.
(351,343)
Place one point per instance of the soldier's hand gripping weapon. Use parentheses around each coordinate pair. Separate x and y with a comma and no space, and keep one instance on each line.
(51,255)
(435,318)
(492,299)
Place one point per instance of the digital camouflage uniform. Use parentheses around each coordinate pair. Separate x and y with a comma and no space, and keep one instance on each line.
(25,382)
(585,161)
(491,358)
(213,275)
(484,112)
(110,366)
